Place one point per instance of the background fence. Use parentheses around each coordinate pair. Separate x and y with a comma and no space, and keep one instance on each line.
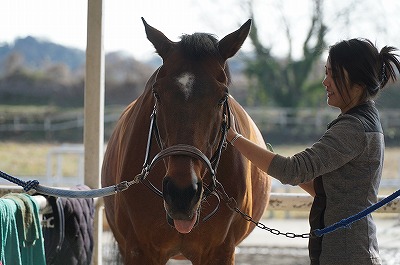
(279,125)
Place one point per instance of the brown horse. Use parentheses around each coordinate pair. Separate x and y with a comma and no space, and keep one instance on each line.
(178,125)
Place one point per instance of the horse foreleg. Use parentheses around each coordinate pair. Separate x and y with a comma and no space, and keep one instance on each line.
(220,256)
(135,258)
(136,255)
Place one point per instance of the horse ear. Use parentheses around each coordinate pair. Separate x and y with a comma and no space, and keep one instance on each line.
(231,43)
(158,39)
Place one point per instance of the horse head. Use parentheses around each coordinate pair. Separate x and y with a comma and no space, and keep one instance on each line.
(191,103)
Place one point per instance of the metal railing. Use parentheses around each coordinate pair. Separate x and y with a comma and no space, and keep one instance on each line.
(264,118)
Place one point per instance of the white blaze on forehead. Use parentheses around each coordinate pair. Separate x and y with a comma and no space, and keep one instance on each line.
(186,82)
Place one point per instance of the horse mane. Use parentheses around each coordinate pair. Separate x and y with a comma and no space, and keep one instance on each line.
(198,46)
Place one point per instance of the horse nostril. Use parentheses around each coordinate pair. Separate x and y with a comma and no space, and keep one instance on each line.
(181,198)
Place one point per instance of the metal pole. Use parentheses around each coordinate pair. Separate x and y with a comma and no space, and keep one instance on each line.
(94,113)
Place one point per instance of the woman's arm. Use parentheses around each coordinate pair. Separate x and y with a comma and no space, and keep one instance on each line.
(342,141)
(261,157)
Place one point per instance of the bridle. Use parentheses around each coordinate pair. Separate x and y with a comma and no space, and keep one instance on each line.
(184,150)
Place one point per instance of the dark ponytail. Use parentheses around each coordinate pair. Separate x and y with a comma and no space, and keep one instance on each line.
(364,64)
(388,60)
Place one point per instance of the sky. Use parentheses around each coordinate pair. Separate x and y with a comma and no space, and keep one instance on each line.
(64,21)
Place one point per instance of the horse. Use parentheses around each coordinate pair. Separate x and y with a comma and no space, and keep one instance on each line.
(171,143)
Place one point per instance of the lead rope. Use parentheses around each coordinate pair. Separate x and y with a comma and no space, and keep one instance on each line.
(348,221)
(34,185)
(230,202)
(344,223)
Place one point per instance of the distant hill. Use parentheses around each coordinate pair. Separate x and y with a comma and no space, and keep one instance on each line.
(37,53)
(37,71)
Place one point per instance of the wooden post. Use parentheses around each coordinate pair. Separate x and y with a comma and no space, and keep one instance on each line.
(94,113)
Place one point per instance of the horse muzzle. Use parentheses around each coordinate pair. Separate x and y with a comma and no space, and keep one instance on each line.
(182,204)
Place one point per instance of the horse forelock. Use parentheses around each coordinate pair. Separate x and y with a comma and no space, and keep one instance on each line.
(198,46)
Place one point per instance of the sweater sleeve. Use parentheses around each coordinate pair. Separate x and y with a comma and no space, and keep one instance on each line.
(341,143)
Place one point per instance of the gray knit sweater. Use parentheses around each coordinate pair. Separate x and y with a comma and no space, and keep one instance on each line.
(349,157)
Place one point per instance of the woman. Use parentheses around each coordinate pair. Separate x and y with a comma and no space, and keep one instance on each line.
(342,170)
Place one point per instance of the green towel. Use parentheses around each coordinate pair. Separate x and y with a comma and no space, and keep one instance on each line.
(28,227)
(9,248)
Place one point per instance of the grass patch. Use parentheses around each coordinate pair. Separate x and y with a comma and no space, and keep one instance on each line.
(24,110)
(30,159)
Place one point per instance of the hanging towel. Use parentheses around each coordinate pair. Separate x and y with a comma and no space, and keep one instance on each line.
(25,245)
(9,245)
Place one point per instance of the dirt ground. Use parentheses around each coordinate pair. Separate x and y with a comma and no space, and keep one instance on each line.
(264,256)
(262,248)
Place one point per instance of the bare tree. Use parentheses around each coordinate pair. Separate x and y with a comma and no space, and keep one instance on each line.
(288,39)
(283,81)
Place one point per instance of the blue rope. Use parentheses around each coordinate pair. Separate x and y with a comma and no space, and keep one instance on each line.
(348,221)
(27,186)
(34,185)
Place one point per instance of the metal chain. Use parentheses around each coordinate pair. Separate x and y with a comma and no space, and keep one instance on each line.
(232,204)
(271,230)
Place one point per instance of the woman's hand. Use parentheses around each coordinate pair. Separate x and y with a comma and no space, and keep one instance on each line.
(258,155)
(232,130)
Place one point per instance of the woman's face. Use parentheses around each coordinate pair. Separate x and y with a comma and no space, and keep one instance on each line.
(344,101)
